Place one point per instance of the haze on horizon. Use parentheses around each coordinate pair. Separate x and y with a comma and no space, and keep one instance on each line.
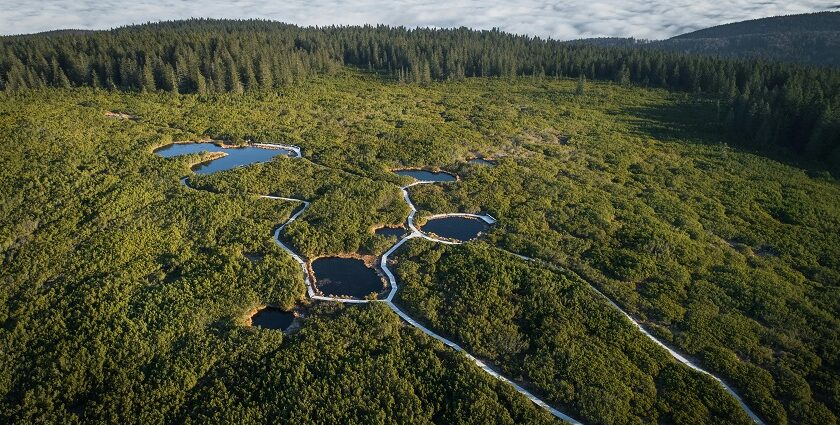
(572,19)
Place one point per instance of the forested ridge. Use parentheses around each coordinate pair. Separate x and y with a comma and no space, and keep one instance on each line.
(769,105)
(811,39)
(788,24)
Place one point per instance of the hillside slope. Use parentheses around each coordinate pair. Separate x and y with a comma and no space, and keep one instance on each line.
(809,39)
(812,38)
(790,24)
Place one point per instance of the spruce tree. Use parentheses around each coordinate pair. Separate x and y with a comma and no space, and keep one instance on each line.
(580,89)
(147,82)
(200,82)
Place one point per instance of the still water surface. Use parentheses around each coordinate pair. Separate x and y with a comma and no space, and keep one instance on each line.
(345,276)
(236,157)
(458,228)
(427,176)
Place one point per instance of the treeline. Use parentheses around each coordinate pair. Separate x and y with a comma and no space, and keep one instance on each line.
(820,48)
(769,104)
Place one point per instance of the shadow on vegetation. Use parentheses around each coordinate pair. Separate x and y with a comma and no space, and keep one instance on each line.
(701,123)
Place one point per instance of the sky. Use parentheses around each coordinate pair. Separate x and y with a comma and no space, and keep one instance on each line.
(563,20)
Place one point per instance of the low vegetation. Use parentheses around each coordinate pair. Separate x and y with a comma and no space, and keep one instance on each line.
(123,288)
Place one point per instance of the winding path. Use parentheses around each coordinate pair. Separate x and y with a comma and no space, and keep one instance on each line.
(679,357)
(490,220)
(682,359)
(417,233)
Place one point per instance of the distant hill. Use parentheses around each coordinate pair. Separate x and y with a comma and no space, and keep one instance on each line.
(791,24)
(612,42)
(61,32)
(812,39)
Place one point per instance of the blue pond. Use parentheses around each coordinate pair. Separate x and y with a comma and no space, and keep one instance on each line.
(428,176)
(457,228)
(236,157)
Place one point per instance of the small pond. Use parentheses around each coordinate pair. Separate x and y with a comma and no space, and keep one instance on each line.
(457,228)
(482,161)
(346,277)
(390,231)
(273,318)
(428,176)
(236,157)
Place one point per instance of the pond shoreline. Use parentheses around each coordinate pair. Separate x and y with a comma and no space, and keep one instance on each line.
(270,308)
(219,156)
(370,261)
(296,150)
(433,175)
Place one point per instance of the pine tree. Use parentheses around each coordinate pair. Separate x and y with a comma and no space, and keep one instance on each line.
(94,80)
(425,73)
(147,81)
(249,78)
(182,75)
(623,75)
(266,79)
(169,81)
(200,82)
(129,74)
(232,80)
(59,79)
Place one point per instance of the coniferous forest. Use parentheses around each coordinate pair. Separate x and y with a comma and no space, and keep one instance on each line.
(769,105)
(698,194)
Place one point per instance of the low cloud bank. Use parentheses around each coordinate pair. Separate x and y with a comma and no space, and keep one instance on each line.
(562,20)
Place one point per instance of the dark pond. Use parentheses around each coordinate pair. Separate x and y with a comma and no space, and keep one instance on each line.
(427,176)
(345,276)
(390,231)
(273,318)
(482,161)
(458,228)
(236,157)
